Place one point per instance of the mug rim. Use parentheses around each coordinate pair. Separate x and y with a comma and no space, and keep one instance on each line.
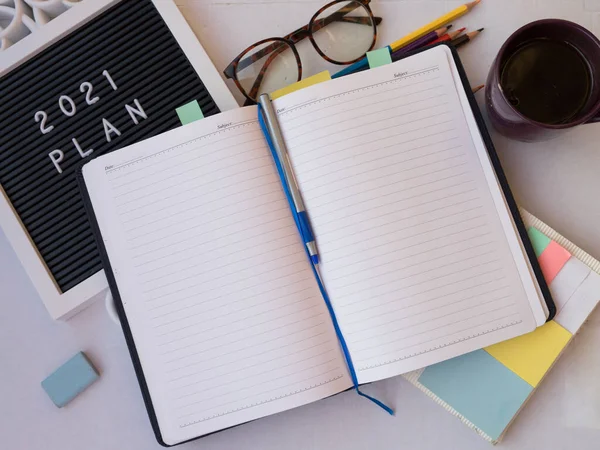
(594,110)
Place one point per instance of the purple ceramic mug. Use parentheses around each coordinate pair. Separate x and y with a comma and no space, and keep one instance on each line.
(503,115)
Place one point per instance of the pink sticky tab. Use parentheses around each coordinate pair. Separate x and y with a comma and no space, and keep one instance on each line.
(552,259)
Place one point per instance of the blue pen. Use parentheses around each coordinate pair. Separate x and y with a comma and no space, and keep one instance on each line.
(271,133)
(282,155)
(358,66)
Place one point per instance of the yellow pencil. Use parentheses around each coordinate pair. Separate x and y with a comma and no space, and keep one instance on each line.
(438,23)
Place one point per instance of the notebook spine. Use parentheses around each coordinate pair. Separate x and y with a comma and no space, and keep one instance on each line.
(314,266)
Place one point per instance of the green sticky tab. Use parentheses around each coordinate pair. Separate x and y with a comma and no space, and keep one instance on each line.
(189,112)
(539,240)
(379,57)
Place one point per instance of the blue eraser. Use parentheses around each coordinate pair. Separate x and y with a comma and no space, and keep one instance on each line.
(70,379)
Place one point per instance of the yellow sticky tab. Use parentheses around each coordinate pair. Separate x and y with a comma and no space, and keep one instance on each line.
(315,79)
(530,356)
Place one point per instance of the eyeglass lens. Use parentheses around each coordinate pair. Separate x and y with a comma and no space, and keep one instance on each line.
(267,67)
(344,31)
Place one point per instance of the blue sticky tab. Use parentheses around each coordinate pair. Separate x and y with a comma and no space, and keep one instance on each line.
(70,379)
(480,388)
(356,67)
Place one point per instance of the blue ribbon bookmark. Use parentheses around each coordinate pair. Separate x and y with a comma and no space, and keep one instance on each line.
(298,222)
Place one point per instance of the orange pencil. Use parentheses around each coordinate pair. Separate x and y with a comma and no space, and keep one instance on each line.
(448,36)
(421,42)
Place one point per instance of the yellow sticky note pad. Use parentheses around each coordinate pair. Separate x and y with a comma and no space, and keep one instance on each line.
(531,355)
(315,79)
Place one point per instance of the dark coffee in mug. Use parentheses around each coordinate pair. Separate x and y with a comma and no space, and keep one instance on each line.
(546,80)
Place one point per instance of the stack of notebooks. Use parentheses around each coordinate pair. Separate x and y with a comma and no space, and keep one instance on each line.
(487,388)
(424,256)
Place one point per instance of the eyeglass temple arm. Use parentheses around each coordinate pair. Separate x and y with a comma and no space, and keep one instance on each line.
(340,15)
(242,64)
(263,70)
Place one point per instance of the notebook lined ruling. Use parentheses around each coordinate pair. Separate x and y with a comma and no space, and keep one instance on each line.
(423,254)
(487,388)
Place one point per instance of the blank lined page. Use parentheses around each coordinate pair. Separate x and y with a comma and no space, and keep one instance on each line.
(414,254)
(223,306)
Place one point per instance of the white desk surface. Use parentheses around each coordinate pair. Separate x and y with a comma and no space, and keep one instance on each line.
(558,181)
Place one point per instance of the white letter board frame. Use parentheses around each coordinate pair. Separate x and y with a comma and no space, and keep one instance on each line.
(62,305)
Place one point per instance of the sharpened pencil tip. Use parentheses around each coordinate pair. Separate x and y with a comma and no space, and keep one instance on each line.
(454,34)
(481,29)
(448,26)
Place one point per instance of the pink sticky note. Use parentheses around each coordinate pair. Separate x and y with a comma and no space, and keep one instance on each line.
(552,259)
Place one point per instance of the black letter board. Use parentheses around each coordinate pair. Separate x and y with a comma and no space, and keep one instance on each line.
(116,80)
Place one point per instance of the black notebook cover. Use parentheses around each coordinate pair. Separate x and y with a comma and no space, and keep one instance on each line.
(501,178)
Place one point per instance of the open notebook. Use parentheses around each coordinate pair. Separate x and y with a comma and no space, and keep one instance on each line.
(420,254)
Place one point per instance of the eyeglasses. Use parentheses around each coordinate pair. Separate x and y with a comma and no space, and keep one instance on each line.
(341,32)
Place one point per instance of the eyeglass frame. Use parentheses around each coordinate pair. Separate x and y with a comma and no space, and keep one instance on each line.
(290,41)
